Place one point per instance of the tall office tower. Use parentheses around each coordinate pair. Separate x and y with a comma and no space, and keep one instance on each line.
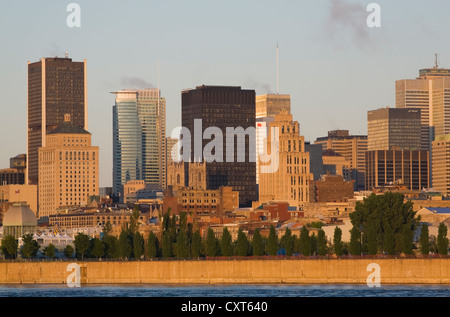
(222,107)
(267,107)
(139,138)
(270,105)
(290,181)
(56,86)
(418,94)
(441,164)
(68,168)
(393,129)
(410,168)
(352,147)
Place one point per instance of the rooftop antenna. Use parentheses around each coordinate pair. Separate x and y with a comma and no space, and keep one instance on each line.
(436,64)
(278,71)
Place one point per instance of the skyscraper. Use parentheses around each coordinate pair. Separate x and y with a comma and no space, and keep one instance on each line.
(68,168)
(267,107)
(56,86)
(290,180)
(139,138)
(393,129)
(426,93)
(222,107)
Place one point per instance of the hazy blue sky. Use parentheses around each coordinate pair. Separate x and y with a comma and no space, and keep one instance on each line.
(332,64)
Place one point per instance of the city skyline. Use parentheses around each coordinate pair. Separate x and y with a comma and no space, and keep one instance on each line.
(320,50)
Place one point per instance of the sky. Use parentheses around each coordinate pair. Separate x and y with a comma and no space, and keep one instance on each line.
(332,64)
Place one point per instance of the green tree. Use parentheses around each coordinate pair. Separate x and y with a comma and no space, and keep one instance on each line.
(152,245)
(196,245)
(388,240)
(49,251)
(111,246)
(138,245)
(82,244)
(211,244)
(313,240)
(98,248)
(442,240)
(30,246)
(272,242)
(9,246)
(134,219)
(124,245)
(372,240)
(166,245)
(407,240)
(321,243)
(69,251)
(182,245)
(107,228)
(287,242)
(337,242)
(226,245)
(257,243)
(305,242)
(355,241)
(424,239)
(242,244)
(384,211)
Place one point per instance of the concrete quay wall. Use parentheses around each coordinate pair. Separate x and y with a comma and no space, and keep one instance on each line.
(327,271)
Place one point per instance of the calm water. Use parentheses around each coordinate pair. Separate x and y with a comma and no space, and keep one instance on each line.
(224,291)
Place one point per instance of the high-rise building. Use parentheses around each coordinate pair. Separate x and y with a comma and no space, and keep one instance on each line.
(16,173)
(139,138)
(219,108)
(68,168)
(406,167)
(267,107)
(290,180)
(441,164)
(352,147)
(418,94)
(393,129)
(56,86)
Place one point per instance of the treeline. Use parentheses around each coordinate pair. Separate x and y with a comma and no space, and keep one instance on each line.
(382,224)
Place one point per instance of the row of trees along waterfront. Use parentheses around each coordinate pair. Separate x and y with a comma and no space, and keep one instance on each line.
(382,224)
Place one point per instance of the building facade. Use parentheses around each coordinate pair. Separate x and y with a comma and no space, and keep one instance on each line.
(56,86)
(139,138)
(290,181)
(68,169)
(441,164)
(393,128)
(219,108)
(410,168)
(352,147)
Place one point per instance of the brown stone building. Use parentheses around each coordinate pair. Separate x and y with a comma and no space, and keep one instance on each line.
(331,188)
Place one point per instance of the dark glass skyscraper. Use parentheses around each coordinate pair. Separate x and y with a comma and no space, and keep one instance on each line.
(222,107)
(56,87)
